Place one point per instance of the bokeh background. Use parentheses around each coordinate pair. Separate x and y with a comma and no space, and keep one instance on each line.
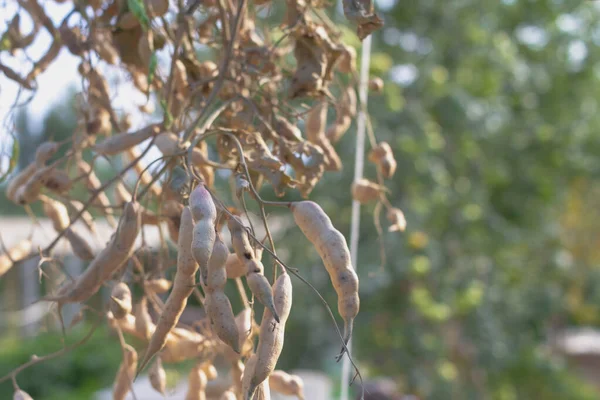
(492,109)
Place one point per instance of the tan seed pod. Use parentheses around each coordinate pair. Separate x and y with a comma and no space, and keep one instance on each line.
(397,220)
(158,376)
(57,212)
(271,336)
(126,373)
(128,21)
(156,8)
(110,259)
(167,143)
(159,286)
(44,152)
(133,153)
(119,143)
(15,253)
(183,286)
(30,191)
(365,191)
(333,249)
(196,384)
(143,321)
(79,245)
(217,305)
(86,217)
(228,395)
(145,47)
(383,157)
(19,180)
(21,395)
(120,300)
(58,181)
(376,85)
(284,383)
(210,371)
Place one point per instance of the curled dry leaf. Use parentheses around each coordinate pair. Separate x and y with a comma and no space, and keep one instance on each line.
(383,157)
(362,13)
(365,191)
(396,218)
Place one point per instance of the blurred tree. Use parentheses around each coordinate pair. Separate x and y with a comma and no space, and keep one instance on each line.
(491,109)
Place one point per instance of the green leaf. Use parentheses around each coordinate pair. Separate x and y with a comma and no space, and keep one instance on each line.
(168,117)
(139,12)
(152,68)
(13,160)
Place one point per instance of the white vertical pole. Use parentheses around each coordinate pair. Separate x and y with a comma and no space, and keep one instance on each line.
(359,161)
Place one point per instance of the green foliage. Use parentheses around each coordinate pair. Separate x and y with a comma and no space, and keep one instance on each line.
(75,375)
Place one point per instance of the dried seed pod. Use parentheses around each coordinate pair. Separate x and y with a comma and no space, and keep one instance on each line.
(205,214)
(236,268)
(93,183)
(396,218)
(159,286)
(21,395)
(117,144)
(86,217)
(172,210)
(284,383)
(156,8)
(167,143)
(217,305)
(240,240)
(30,191)
(158,376)
(57,212)
(271,337)
(210,371)
(145,46)
(333,249)
(120,300)
(15,253)
(315,122)
(58,181)
(143,321)
(44,152)
(382,156)
(126,373)
(18,181)
(128,21)
(80,247)
(145,177)
(345,111)
(110,259)
(196,384)
(228,395)
(183,286)
(366,191)
(259,286)
(376,85)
